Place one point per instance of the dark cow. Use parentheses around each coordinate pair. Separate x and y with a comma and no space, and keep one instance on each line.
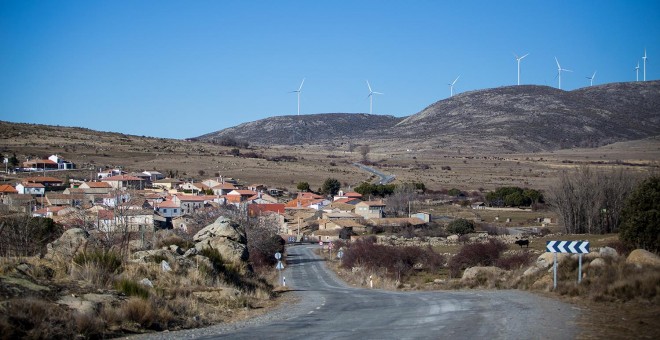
(522,243)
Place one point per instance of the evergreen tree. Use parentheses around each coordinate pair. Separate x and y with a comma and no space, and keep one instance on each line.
(640,221)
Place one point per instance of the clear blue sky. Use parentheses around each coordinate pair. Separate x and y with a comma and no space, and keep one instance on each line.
(184,68)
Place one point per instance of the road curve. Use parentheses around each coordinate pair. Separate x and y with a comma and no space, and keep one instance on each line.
(329,309)
(384,178)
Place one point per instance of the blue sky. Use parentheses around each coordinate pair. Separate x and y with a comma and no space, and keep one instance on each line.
(180,69)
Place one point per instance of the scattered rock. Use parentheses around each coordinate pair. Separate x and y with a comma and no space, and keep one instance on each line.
(474,272)
(190,252)
(176,249)
(640,257)
(608,252)
(452,238)
(79,304)
(149,256)
(546,260)
(599,262)
(146,282)
(165,266)
(531,271)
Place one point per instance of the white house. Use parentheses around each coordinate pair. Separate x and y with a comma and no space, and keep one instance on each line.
(37,189)
(155,175)
(169,208)
(62,164)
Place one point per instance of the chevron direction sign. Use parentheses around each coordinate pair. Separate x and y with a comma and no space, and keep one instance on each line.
(573,247)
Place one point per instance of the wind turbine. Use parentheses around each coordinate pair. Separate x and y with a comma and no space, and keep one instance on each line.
(637,72)
(559,69)
(451,87)
(519,59)
(644,58)
(371,97)
(591,79)
(298,92)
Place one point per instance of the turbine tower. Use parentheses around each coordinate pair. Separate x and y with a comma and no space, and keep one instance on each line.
(519,59)
(451,87)
(637,72)
(591,79)
(371,97)
(559,69)
(298,93)
(644,58)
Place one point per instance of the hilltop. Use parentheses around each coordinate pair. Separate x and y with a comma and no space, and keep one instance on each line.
(525,118)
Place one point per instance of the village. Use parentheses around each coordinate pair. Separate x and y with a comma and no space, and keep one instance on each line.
(147,201)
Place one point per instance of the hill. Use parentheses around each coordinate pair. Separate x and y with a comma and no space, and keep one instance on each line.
(305,129)
(524,118)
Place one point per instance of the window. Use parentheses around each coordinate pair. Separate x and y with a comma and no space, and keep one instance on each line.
(175,211)
(164,210)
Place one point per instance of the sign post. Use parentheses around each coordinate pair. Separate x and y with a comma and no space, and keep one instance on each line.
(279,268)
(572,247)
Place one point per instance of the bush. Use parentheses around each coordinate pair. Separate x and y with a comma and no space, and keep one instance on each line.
(132,288)
(108,261)
(35,319)
(460,226)
(477,254)
(515,261)
(397,262)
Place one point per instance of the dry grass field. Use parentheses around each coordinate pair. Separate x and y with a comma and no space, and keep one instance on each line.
(437,169)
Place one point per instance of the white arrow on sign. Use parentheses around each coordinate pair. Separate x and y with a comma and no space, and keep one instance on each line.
(279,266)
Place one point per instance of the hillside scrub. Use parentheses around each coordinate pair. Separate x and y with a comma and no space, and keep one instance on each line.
(396,263)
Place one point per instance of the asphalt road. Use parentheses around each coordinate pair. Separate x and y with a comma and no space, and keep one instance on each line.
(329,309)
(384,178)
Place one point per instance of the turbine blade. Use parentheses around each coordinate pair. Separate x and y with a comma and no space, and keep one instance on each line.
(377,92)
(558,66)
(369,86)
(301,84)
(524,55)
(454,82)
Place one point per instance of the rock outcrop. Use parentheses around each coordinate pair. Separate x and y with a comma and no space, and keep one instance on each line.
(71,242)
(225,237)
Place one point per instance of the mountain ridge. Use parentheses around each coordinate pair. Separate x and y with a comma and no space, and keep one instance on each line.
(522,118)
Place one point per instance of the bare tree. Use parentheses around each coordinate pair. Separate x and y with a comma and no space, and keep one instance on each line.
(590,202)
(398,203)
(364,152)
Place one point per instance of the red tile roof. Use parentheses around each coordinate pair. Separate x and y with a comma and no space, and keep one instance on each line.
(167,204)
(33,185)
(122,178)
(225,186)
(7,189)
(258,209)
(309,195)
(98,185)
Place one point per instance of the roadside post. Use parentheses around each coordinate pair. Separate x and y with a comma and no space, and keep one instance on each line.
(279,268)
(572,247)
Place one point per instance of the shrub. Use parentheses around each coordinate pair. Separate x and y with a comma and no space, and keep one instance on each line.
(109,261)
(140,311)
(398,262)
(97,267)
(460,226)
(132,288)
(476,254)
(515,261)
(35,319)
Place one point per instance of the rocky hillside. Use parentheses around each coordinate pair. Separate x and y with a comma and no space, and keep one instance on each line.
(290,130)
(506,119)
